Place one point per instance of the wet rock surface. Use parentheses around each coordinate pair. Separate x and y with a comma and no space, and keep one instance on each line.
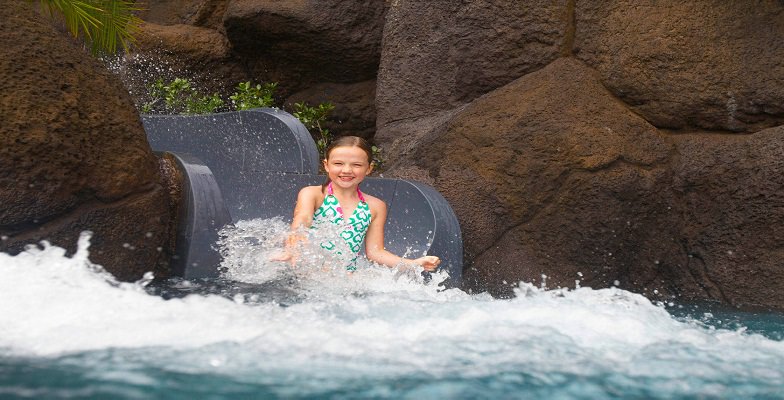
(707,64)
(201,54)
(437,56)
(73,154)
(204,13)
(542,173)
(552,176)
(730,190)
(297,43)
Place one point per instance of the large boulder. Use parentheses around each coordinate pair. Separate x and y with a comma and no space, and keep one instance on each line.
(708,64)
(440,55)
(73,154)
(300,43)
(190,12)
(552,176)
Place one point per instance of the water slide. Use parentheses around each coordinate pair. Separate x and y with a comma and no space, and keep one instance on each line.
(251,164)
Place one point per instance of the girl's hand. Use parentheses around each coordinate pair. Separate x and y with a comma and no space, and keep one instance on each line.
(429,263)
(284,256)
(289,253)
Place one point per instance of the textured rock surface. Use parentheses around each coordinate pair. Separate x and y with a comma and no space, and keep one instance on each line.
(706,64)
(440,55)
(730,189)
(510,162)
(190,12)
(73,154)
(299,43)
(551,175)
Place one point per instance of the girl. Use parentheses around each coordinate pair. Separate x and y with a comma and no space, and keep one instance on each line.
(339,202)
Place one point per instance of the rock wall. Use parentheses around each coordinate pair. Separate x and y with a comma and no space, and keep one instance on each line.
(552,175)
(701,65)
(611,141)
(73,154)
(440,55)
(617,162)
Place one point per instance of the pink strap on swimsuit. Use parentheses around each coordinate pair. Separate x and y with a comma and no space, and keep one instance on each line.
(340,209)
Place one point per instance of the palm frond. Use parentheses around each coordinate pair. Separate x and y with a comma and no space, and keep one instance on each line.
(118,25)
(103,23)
(78,15)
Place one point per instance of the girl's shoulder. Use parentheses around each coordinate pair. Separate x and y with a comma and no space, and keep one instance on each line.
(374,203)
(315,189)
(311,193)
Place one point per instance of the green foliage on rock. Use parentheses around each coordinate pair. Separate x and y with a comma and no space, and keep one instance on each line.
(247,95)
(179,97)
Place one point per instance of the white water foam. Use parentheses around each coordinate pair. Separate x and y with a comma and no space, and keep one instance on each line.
(373,323)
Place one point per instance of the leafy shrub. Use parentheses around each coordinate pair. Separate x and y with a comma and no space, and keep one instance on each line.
(203,104)
(247,96)
(179,97)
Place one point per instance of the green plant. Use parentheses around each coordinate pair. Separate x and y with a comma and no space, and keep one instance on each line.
(174,93)
(203,104)
(247,95)
(312,117)
(377,159)
(103,24)
(179,97)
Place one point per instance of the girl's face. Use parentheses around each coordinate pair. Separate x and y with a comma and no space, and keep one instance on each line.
(347,166)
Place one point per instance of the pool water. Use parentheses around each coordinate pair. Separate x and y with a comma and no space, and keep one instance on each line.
(268,330)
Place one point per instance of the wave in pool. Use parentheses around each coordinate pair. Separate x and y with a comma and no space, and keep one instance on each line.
(266,329)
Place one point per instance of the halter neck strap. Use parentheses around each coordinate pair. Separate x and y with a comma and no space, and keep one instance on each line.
(359,192)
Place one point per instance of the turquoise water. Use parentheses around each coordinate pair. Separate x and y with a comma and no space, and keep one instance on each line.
(266,330)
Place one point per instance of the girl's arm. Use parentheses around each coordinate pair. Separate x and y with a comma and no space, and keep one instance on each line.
(307,200)
(374,242)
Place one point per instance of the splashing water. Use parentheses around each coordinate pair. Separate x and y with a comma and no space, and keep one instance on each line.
(68,329)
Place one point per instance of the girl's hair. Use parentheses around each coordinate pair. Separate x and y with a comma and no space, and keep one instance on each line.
(348,141)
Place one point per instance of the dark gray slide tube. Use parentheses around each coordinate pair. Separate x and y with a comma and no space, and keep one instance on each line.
(202,213)
(251,164)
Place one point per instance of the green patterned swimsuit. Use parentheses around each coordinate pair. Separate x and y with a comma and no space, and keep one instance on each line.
(352,232)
